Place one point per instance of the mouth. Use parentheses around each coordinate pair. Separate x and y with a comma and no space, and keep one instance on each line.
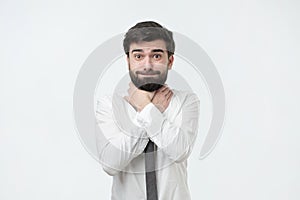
(152,73)
(147,75)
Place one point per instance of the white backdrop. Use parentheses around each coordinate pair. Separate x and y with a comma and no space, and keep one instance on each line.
(254,45)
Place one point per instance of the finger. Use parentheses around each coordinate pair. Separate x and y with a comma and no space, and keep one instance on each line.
(131,85)
(163,92)
(129,91)
(166,92)
(163,88)
(156,95)
(159,94)
(163,98)
(132,89)
(160,97)
(126,98)
(168,97)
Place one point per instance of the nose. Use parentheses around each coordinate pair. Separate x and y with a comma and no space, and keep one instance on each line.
(147,63)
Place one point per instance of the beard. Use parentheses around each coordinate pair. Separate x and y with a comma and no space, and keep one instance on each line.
(148,84)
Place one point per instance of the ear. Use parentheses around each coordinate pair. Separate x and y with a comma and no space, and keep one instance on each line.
(128,64)
(171,61)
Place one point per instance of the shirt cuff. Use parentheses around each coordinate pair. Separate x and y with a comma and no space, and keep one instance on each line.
(151,119)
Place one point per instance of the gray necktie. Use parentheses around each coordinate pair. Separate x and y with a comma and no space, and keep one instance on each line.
(150,172)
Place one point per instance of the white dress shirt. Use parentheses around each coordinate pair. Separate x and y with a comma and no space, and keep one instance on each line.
(126,134)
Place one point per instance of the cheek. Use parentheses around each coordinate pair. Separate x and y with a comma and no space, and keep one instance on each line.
(160,65)
(135,65)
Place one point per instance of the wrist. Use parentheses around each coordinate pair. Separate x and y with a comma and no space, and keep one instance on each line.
(142,106)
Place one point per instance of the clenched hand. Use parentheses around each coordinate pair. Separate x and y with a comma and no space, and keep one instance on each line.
(138,98)
(162,98)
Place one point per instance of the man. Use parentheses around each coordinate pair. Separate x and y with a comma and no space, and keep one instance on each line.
(150,131)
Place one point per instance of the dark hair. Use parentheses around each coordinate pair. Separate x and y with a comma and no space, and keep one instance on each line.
(149,31)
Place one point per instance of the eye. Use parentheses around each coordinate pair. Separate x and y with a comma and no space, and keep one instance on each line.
(138,56)
(157,56)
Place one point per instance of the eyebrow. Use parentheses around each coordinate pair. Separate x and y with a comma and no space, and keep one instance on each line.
(153,50)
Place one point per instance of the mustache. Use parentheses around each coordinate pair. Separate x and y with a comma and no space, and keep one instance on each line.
(151,72)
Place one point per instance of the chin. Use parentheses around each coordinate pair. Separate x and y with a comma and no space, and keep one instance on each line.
(150,87)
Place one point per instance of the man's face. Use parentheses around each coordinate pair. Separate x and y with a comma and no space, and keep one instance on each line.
(148,64)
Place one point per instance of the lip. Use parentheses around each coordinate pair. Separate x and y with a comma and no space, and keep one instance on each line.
(148,74)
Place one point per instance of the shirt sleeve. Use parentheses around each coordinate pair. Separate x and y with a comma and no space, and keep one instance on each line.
(118,140)
(175,139)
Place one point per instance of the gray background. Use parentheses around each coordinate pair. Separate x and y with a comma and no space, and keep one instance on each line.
(253,44)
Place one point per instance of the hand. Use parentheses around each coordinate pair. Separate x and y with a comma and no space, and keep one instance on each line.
(138,98)
(162,98)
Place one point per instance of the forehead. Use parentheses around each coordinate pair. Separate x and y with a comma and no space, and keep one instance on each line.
(148,46)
